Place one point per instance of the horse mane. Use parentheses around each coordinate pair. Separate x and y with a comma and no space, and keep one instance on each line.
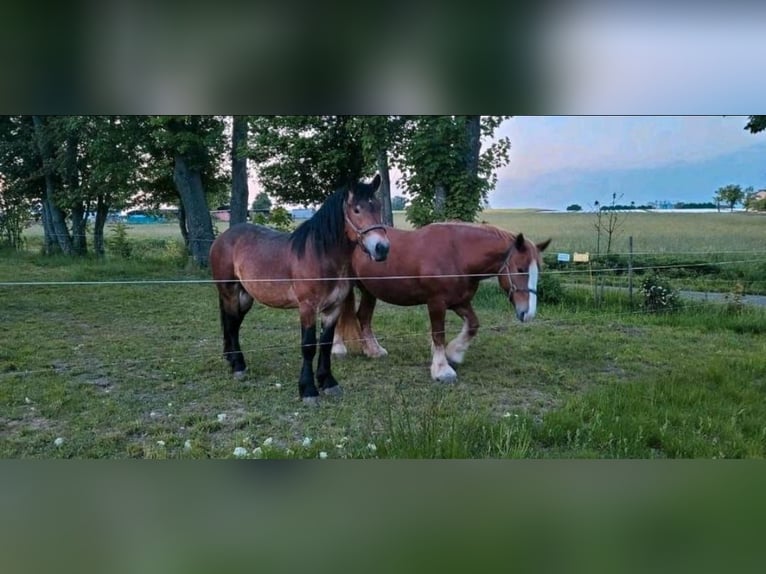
(326,228)
(502,233)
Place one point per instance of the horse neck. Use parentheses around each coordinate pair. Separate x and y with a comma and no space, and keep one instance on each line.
(494,245)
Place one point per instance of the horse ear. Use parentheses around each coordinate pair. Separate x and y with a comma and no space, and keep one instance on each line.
(520,244)
(543,245)
(375,182)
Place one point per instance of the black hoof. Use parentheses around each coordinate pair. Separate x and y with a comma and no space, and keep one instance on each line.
(311,401)
(239,375)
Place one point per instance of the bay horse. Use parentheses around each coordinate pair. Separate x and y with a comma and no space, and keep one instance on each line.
(440,265)
(307,269)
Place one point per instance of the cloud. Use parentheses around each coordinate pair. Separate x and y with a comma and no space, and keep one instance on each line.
(541,145)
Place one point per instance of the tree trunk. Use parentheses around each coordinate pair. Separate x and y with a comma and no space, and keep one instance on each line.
(440,202)
(50,243)
(79,217)
(473,145)
(471,159)
(182,224)
(78,214)
(385,187)
(200,227)
(56,216)
(102,210)
(239,189)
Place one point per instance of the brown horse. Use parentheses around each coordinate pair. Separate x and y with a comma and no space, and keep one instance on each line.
(307,269)
(440,265)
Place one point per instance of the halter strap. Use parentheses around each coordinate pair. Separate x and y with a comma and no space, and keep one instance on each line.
(360,232)
(506,266)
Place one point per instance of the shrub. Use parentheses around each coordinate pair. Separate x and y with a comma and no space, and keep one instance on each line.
(118,243)
(658,295)
(549,289)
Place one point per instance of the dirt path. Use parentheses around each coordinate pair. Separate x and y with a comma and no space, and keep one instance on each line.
(759,300)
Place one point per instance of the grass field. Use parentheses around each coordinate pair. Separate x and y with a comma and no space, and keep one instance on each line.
(134,370)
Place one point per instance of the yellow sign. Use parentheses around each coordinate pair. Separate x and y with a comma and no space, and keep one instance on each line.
(581,257)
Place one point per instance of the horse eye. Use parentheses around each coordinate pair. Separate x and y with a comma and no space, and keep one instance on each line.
(357,210)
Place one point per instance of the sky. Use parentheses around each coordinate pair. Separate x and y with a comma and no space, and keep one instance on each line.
(693,153)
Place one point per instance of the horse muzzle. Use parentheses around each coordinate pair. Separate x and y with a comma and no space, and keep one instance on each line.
(376,248)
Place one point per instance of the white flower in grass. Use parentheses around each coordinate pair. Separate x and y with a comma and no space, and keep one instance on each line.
(268,441)
(187,445)
(323,455)
(372,447)
(221,417)
(240,452)
(307,441)
(27,400)
(153,414)
(506,415)
(289,452)
(258,452)
(278,385)
(160,443)
(59,441)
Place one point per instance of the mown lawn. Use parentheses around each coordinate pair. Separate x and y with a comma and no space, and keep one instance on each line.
(134,370)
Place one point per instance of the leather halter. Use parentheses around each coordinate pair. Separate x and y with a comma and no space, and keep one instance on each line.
(507,267)
(360,232)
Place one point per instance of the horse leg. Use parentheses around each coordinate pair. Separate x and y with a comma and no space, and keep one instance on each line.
(327,383)
(306,388)
(440,368)
(347,326)
(234,303)
(459,345)
(370,344)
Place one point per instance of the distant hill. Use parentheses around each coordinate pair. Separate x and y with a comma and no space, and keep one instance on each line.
(682,181)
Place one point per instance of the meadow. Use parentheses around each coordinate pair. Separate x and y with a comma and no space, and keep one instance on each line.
(131,366)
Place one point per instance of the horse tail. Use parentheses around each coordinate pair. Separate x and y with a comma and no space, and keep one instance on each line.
(347,329)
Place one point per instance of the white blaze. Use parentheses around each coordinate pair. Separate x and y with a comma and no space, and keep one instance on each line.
(532,285)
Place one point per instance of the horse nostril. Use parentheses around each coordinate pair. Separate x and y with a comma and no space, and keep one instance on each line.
(521,315)
(381,251)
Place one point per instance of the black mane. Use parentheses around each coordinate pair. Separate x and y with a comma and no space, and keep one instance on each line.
(326,228)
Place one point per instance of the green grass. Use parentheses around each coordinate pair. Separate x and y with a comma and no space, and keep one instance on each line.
(134,370)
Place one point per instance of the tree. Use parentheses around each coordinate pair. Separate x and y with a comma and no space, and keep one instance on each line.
(303,159)
(609,221)
(262,202)
(22,185)
(756,124)
(194,145)
(381,135)
(54,219)
(730,194)
(444,171)
(753,203)
(398,203)
(574,207)
(239,189)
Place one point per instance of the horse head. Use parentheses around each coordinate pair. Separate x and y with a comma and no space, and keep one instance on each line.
(519,274)
(364,224)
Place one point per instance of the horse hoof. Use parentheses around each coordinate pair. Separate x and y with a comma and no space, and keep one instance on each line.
(335,392)
(239,375)
(446,378)
(311,401)
(339,351)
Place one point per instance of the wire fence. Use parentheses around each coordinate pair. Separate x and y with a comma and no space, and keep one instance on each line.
(211,349)
(583,271)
